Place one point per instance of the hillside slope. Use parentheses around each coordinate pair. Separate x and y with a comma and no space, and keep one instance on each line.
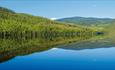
(22,24)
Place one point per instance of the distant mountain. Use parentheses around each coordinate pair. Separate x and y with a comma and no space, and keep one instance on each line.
(87,20)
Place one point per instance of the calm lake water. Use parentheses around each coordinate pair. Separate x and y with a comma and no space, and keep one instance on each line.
(58,59)
(56,54)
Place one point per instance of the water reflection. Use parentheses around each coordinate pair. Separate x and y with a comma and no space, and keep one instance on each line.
(89,44)
(18,46)
(11,47)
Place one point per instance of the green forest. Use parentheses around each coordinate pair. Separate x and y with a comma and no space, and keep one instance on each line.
(21,25)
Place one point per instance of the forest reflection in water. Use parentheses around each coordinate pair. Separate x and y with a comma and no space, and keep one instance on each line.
(11,47)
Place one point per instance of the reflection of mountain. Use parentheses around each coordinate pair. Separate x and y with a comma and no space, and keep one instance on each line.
(11,47)
(91,44)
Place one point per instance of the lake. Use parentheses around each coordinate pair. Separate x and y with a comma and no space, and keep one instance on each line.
(91,59)
(57,53)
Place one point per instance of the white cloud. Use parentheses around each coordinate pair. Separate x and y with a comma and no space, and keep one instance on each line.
(53,18)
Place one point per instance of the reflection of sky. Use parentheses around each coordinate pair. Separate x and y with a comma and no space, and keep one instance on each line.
(103,58)
(63,8)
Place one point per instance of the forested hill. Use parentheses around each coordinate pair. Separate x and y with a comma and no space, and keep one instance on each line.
(16,24)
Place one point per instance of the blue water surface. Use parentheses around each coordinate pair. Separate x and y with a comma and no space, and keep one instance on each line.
(61,59)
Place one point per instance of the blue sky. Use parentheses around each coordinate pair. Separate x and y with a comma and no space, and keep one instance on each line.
(63,8)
